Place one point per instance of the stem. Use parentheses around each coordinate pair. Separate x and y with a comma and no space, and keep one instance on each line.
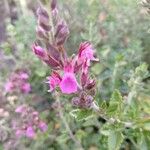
(62,116)
(50,20)
(111,120)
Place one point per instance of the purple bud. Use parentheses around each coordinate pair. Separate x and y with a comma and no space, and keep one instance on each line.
(44,26)
(76,101)
(85,101)
(41,33)
(43,19)
(61,33)
(90,84)
(84,78)
(52,51)
(53,4)
(39,51)
(42,12)
(52,62)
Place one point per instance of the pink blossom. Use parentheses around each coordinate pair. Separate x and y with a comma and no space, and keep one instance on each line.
(43,127)
(26,88)
(20,109)
(19,133)
(54,81)
(24,75)
(86,52)
(9,86)
(30,132)
(69,83)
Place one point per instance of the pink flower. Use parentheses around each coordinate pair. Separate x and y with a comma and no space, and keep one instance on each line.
(26,88)
(86,52)
(43,127)
(30,132)
(24,75)
(19,133)
(20,109)
(53,81)
(69,83)
(9,86)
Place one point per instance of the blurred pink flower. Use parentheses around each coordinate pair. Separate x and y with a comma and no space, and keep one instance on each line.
(9,86)
(24,75)
(43,127)
(19,133)
(86,52)
(18,82)
(30,133)
(20,109)
(26,88)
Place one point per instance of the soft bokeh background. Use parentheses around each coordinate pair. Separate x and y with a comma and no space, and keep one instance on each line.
(120,33)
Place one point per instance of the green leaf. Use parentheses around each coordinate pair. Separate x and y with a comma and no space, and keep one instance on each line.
(115,104)
(142,143)
(81,114)
(116,96)
(115,139)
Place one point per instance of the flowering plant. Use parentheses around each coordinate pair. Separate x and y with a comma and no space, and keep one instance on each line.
(109,110)
(70,74)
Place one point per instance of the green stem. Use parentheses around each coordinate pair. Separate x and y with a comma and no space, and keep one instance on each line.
(62,116)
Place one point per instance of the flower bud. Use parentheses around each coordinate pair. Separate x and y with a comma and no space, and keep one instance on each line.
(53,4)
(42,12)
(90,84)
(44,26)
(84,101)
(43,19)
(41,33)
(75,101)
(61,33)
(84,78)
(39,51)
(52,51)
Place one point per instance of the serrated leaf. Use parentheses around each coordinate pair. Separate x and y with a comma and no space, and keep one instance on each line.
(115,139)
(115,104)
(116,96)
(81,114)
